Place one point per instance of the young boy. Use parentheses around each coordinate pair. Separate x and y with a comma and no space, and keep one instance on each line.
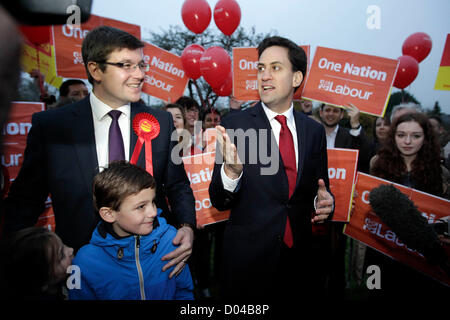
(123,258)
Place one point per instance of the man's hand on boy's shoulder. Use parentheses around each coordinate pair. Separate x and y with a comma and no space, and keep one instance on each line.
(184,239)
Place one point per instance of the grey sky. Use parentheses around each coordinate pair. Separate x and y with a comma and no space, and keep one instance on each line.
(335,24)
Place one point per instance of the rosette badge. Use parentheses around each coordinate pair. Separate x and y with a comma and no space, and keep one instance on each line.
(146,128)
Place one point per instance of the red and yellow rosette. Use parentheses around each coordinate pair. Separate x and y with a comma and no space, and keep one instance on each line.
(146,128)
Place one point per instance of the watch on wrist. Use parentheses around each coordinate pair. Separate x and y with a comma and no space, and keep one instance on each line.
(181,225)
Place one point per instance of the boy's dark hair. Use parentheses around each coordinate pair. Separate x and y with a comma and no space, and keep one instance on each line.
(64,89)
(296,54)
(120,180)
(27,258)
(101,41)
(188,103)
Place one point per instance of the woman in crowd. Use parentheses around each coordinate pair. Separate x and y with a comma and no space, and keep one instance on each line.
(380,133)
(409,157)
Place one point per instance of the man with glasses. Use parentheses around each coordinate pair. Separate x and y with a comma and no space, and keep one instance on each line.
(66,147)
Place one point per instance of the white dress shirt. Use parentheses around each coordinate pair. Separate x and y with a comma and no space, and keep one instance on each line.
(102,121)
(331,138)
(230,184)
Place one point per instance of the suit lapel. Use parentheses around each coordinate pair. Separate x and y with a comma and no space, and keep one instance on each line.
(83,138)
(301,143)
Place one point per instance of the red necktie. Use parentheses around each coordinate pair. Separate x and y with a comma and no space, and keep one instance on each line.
(286,145)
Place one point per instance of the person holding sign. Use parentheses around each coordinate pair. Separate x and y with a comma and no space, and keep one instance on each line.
(267,241)
(340,137)
(410,157)
(67,146)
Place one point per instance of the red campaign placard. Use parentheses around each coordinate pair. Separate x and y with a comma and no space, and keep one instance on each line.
(15,134)
(166,78)
(199,169)
(342,165)
(338,77)
(245,69)
(14,142)
(367,227)
(67,41)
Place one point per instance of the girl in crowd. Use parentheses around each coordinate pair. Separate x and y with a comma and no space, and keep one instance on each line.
(34,263)
(409,157)
(181,124)
(380,133)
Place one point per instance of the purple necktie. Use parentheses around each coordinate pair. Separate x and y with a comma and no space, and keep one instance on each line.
(116,149)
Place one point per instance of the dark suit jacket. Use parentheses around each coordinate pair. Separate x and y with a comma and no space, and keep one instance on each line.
(260,205)
(61,160)
(345,140)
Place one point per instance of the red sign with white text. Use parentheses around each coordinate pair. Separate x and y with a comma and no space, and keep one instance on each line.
(166,78)
(367,227)
(342,165)
(68,40)
(14,142)
(199,169)
(15,134)
(338,77)
(245,70)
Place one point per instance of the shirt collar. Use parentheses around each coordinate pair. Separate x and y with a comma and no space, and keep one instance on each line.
(335,130)
(101,109)
(289,113)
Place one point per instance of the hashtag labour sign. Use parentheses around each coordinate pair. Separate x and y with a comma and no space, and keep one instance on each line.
(338,77)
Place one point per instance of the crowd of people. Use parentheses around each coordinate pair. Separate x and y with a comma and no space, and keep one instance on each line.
(112,216)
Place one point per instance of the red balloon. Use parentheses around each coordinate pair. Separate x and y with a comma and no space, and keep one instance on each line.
(196,15)
(215,66)
(190,59)
(36,34)
(407,71)
(227,16)
(226,88)
(417,45)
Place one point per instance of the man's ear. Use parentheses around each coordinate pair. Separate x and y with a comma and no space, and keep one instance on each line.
(107,214)
(298,77)
(95,71)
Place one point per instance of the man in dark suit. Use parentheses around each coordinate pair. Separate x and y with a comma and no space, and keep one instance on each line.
(340,137)
(66,147)
(270,188)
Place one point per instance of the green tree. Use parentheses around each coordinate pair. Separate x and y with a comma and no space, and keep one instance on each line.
(436,111)
(398,98)
(176,38)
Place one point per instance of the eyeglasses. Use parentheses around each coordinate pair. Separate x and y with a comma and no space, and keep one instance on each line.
(128,67)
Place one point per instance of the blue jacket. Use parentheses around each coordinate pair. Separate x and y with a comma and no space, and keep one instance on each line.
(127,269)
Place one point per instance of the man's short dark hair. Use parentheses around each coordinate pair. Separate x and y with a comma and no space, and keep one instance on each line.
(322,105)
(101,41)
(296,54)
(64,89)
(120,180)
